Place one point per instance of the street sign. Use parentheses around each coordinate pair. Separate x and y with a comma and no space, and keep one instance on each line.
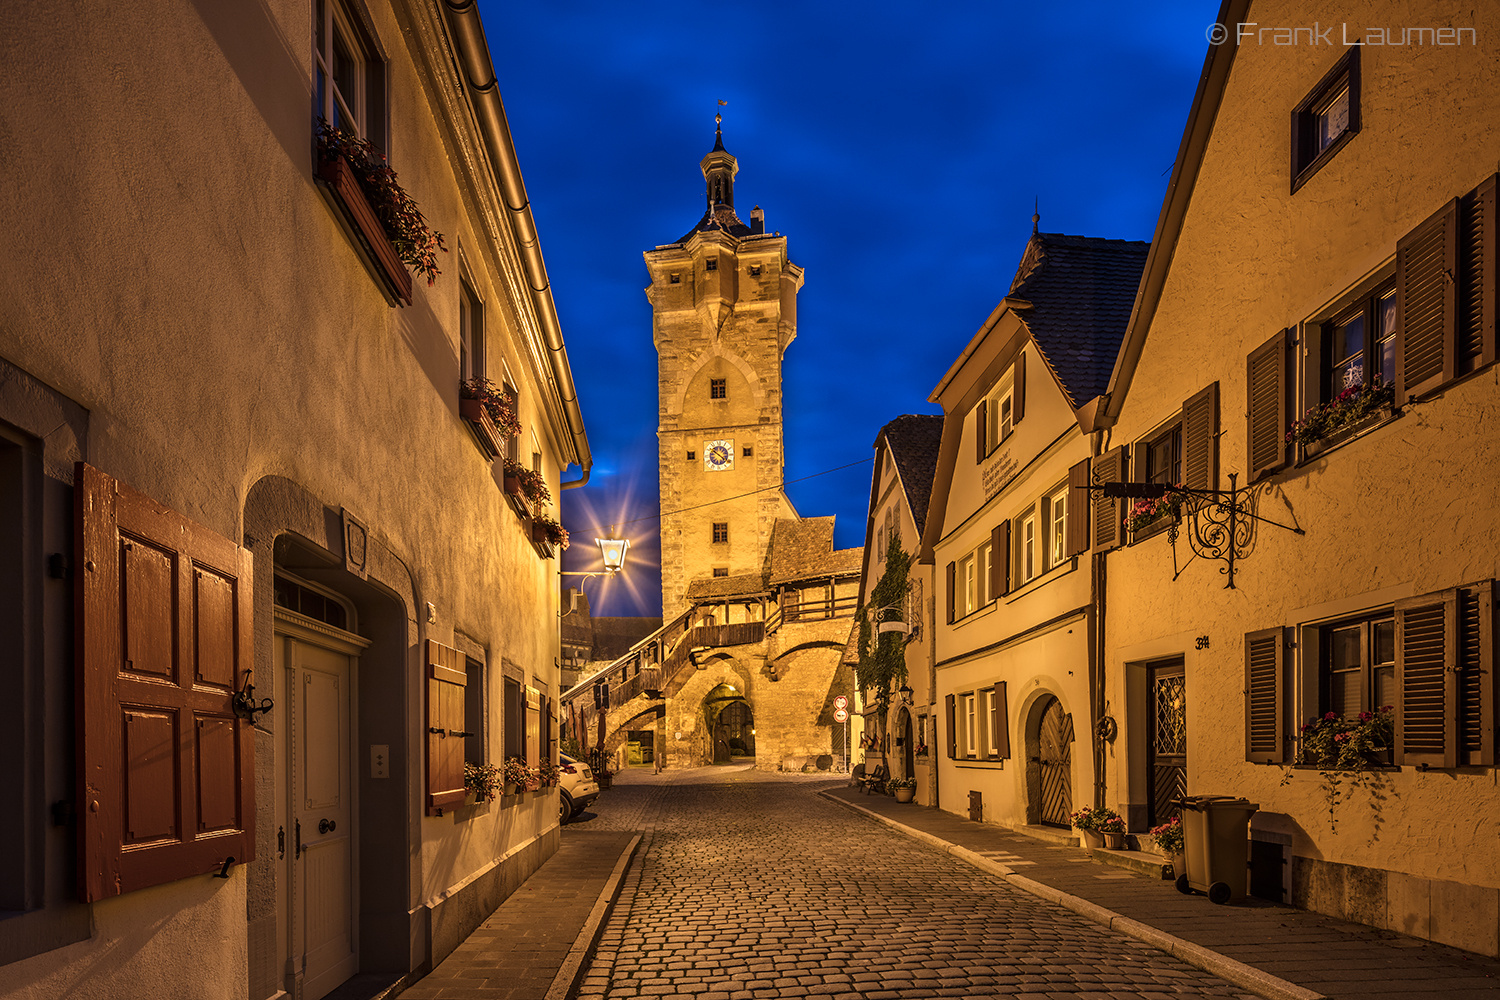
(839,715)
(841,702)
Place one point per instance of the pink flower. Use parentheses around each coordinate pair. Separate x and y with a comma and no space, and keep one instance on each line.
(1330,717)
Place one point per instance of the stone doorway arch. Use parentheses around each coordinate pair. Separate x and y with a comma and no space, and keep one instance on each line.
(1049,763)
(731,724)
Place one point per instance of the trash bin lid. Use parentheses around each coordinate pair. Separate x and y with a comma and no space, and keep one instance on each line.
(1201,803)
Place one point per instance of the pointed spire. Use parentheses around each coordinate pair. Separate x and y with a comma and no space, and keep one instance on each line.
(719,133)
(719,168)
(1036,215)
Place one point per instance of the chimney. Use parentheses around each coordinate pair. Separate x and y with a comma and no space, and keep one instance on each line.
(757,221)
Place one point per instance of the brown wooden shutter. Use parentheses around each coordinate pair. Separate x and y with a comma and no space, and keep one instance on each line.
(1078,509)
(952,730)
(1265,695)
(1476,277)
(980,428)
(999,722)
(446,679)
(1426,680)
(1476,674)
(1000,560)
(1018,391)
(1200,440)
(1268,396)
(166,771)
(1109,515)
(1426,304)
(952,596)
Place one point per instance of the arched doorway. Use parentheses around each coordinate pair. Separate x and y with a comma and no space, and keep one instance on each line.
(1049,771)
(731,725)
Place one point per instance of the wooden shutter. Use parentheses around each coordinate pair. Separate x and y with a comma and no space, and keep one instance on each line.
(999,722)
(1426,304)
(1265,695)
(1476,278)
(980,427)
(1109,515)
(1268,374)
(1476,674)
(999,581)
(446,680)
(952,730)
(166,771)
(1018,391)
(952,595)
(1078,509)
(1426,680)
(1200,440)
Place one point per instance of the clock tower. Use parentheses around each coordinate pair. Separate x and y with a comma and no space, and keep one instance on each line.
(724,308)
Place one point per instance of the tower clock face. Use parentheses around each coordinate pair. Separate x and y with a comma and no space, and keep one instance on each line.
(718,456)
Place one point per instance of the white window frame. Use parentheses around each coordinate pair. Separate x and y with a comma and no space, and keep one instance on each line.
(970,707)
(471,344)
(336,107)
(1027,565)
(1057,527)
(967,585)
(1000,412)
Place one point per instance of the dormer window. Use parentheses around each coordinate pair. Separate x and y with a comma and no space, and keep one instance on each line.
(1326,120)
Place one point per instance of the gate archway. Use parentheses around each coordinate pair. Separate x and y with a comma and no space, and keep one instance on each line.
(731,724)
(1049,767)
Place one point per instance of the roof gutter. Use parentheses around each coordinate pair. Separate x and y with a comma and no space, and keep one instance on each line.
(462,17)
(1195,137)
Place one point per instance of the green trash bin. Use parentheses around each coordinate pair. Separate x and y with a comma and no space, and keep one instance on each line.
(1216,840)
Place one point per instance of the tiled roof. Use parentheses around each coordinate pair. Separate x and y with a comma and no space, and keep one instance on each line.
(1081,289)
(720,217)
(914,441)
(803,548)
(613,637)
(727,586)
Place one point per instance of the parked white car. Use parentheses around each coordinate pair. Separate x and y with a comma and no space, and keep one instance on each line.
(576,787)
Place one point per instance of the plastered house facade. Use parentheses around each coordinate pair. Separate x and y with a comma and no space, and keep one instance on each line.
(237,455)
(1326,293)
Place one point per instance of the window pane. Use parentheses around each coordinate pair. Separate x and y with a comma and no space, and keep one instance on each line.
(1383,642)
(1333,119)
(1005,422)
(1344,648)
(1385,688)
(1385,311)
(1343,693)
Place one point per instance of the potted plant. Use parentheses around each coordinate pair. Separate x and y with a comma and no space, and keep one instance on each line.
(1341,417)
(1090,823)
(482,781)
(1113,829)
(547,773)
(1336,742)
(376,205)
(490,411)
(905,789)
(528,484)
(1169,841)
(517,775)
(548,531)
(1144,513)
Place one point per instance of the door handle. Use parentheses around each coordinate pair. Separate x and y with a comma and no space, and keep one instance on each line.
(327,826)
(298,852)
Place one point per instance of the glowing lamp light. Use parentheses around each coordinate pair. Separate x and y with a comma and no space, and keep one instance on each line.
(613,550)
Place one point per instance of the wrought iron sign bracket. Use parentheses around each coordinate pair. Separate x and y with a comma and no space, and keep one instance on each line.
(1220,524)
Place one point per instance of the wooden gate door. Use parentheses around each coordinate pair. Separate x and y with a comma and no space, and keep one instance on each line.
(1055,744)
(323,947)
(1166,765)
(908,758)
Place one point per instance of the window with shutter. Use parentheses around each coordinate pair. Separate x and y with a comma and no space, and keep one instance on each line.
(1018,390)
(1268,376)
(1426,659)
(981,427)
(1108,514)
(1265,696)
(1200,440)
(1477,247)
(1078,509)
(515,720)
(952,591)
(950,707)
(999,722)
(1426,304)
(1476,674)
(447,677)
(166,780)
(999,583)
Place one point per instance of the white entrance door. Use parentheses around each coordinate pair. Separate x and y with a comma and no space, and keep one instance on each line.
(323,945)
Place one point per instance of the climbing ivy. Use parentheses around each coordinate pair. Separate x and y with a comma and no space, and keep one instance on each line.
(882,658)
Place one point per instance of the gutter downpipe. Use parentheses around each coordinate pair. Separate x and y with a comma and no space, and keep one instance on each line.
(462,18)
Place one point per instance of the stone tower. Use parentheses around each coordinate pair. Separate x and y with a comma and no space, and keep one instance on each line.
(724,309)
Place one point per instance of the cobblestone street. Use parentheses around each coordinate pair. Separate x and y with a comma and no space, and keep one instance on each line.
(751,885)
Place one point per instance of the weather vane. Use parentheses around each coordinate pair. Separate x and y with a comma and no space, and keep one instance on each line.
(719,117)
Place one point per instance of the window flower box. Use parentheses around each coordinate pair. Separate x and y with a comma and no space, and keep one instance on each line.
(1348,743)
(1343,417)
(1150,516)
(485,431)
(341,183)
(548,535)
(1347,433)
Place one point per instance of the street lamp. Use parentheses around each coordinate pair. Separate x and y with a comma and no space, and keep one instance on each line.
(612,551)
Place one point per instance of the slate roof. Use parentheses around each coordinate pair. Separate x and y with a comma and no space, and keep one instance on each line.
(1081,289)
(803,548)
(719,217)
(914,441)
(613,637)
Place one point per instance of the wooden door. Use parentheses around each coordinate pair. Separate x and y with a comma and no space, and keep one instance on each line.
(1166,746)
(908,758)
(1055,778)
(323,931)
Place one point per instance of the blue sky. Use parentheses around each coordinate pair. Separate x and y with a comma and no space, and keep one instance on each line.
(899,151)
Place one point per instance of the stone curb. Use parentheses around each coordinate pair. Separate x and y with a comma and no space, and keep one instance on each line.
(1246,976)
(588,935)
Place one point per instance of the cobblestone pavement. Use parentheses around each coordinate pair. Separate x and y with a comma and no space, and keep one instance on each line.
(749,885)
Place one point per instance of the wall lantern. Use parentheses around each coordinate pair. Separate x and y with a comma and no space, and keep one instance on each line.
(905,692)
(613,550)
